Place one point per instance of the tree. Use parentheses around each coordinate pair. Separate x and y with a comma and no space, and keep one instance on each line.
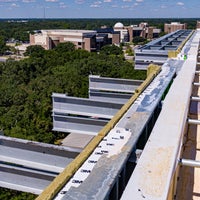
(3,46)
(65,47)
(35,51)
(162,33)
(139,40)
(129,51)
(7,194)
(111,50)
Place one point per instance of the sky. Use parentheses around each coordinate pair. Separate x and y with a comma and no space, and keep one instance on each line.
(99,8)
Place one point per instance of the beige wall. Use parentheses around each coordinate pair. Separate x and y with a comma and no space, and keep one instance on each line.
(198,24)
(169,28)
(115,38)
(32,39)
(51,40)
(38,40)
(130,32)
(87,44)
(150,33)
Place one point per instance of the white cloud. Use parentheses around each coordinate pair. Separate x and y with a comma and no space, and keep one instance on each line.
(139,0)
(96,4)
(114,6)
(51,0)
(80,1)
(7,1)
(28,1)
(163,6)
(107,1)
(14,5)
(125,7)
(62,5)
(180,3)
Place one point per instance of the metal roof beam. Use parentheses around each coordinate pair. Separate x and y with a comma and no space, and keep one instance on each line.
(113,84)
(30,166)
(25,180)
(109,97)
(71,124)
(63,105)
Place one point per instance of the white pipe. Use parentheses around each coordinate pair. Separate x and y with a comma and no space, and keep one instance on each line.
(189,163)
(197,84)
(195,98)
(194,121)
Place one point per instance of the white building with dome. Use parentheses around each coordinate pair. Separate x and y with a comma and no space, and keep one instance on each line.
(119,25)
(124,34)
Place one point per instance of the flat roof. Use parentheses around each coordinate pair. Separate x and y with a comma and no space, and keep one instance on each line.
(77,140)
(168,42)
(107,160)
(69,30)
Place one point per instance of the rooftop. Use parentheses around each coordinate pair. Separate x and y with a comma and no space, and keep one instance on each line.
(118,25)
(69,30)
(168,42)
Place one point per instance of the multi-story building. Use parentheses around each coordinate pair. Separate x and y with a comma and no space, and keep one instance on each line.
(159,50)
(106,36)
(93,40)
(127,33)
(198,24)
(124,33)
(90,40)
(174,26)
(83,39)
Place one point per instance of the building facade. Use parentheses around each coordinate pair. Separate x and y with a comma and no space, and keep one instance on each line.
(82,39)
(127,33)
(174,26)
(89,40)
(159,50)
(93,40)
(198,25)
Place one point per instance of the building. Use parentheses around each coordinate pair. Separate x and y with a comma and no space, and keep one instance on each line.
(198,24)
(147,31)
(83,39)
(89,40)
(127,33)
(21,49)
(124,33)
(159,50)
(106,36)
(174,26)
(93,40)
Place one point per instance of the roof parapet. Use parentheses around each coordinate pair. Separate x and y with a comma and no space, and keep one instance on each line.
(56,185)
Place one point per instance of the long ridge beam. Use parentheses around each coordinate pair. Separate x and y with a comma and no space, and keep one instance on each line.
(30,166)
(113,84)
(109,97)
(63,104)
(90,126)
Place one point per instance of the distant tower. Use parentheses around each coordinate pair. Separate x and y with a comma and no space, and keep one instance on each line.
(44,14)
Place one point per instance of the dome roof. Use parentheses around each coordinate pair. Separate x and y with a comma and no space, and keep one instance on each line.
(118,25)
